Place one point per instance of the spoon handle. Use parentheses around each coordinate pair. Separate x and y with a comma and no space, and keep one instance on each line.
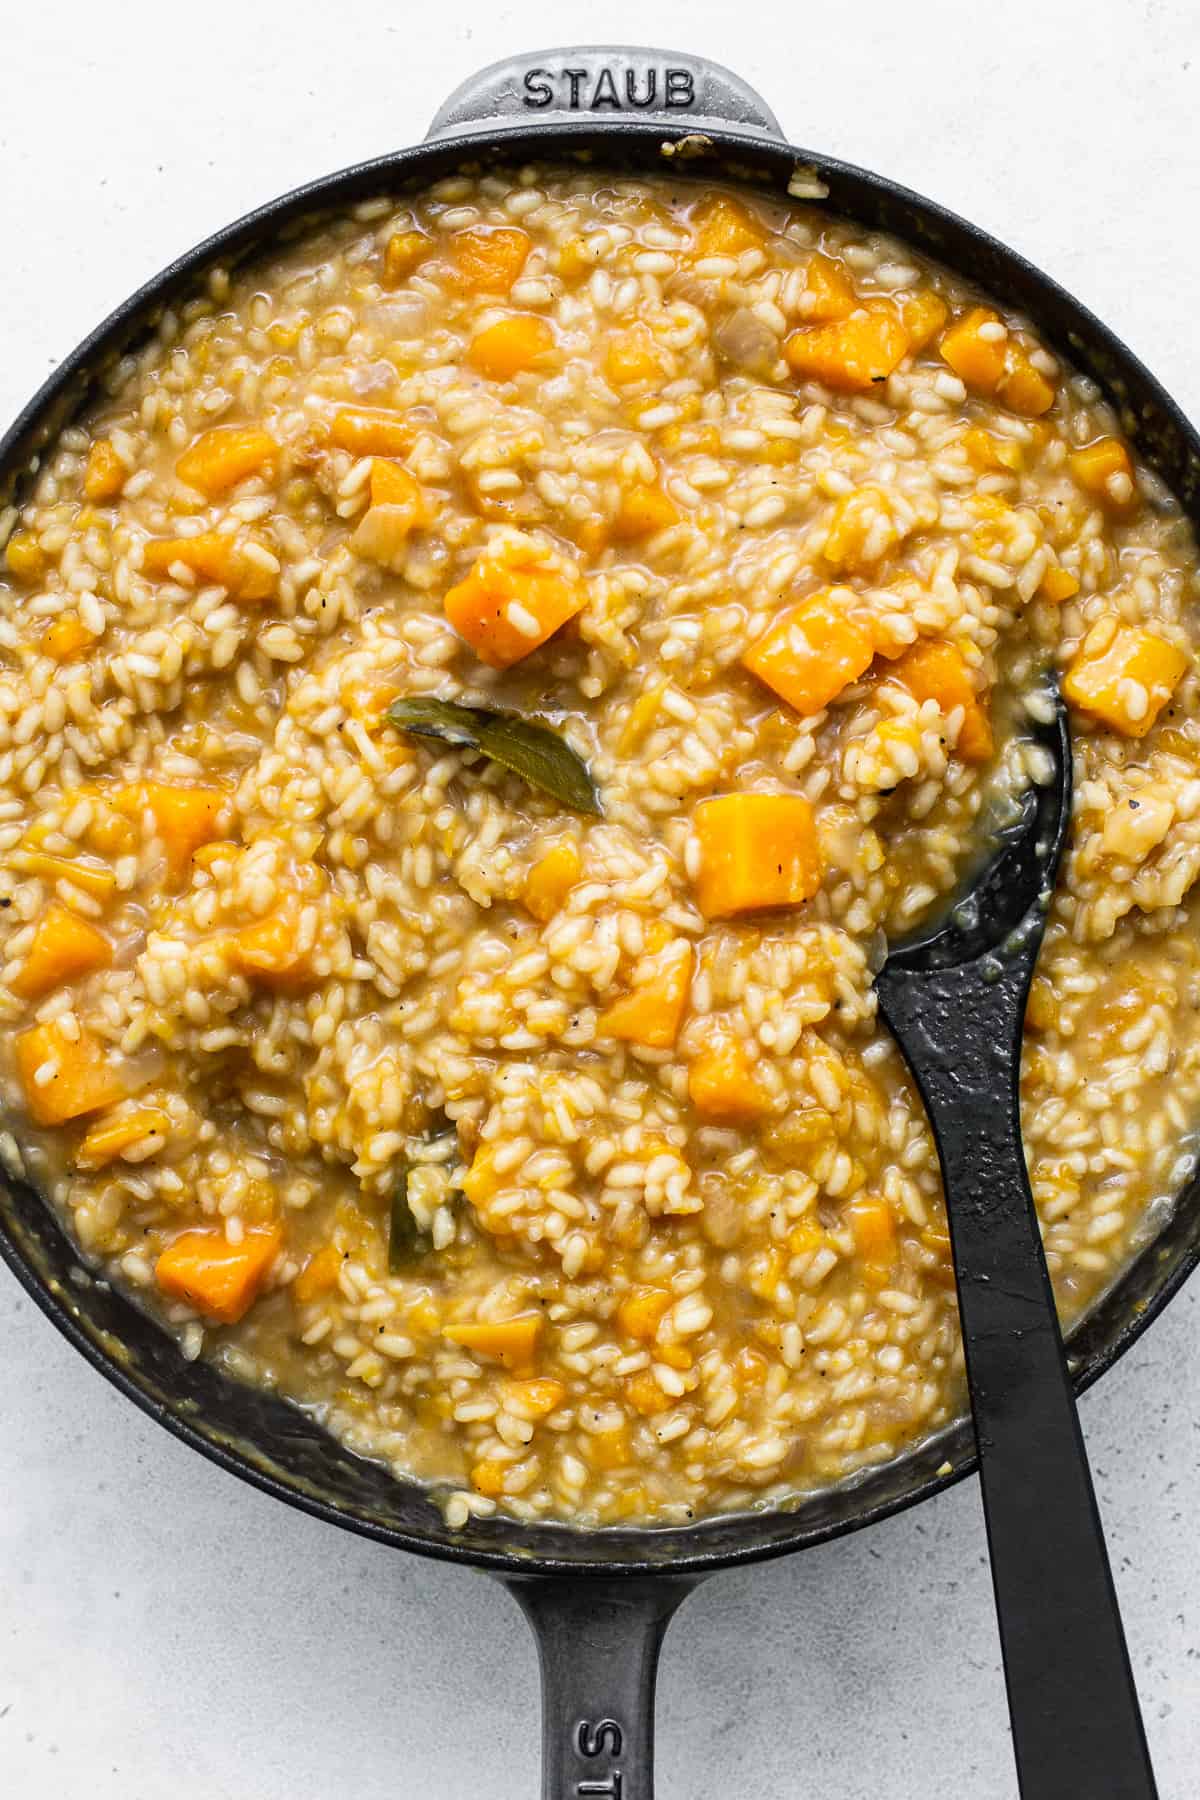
(1076,1724)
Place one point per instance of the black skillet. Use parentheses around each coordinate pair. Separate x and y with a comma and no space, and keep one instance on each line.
(598,1601)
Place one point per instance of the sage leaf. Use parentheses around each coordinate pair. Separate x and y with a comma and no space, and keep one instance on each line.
(527,747)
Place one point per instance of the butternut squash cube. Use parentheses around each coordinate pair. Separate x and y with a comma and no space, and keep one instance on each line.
(269,952)
(874,1230)
(89,877)
(643,511)
(722,1083)
(552,878)
(214,1277)
(144,1129)
(25,557)
(830,290)
(66,638)
(855,541)
(398,508)
(104,473)
(630,356)
(222,457)
(652,1014)
(370,431)
(64,1078)
(403,252)
(1104,468)
(318,1276)
(534,1398)
(936,671)
(850,355)
(506,610)
(64,947)
(1058,584)
(1025,389)
(512,1342)
(488,259)
(976,348)
(510,345)
(724,227)
(1123,678)
(641,1312)
(236,562)
(756,851)
(812,651)
(924,315)
(988,452)
(183,818)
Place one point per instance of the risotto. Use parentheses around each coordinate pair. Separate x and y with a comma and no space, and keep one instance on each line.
(477,694)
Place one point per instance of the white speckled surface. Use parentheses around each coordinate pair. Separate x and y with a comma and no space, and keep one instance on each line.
(167,1631)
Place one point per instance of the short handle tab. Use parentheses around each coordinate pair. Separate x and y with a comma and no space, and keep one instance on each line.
(601,83)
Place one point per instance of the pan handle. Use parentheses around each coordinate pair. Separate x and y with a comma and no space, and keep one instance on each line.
(598,1642)
(602,84)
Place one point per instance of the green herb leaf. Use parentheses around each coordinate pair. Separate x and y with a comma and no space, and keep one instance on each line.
(405,1237)
(528,747)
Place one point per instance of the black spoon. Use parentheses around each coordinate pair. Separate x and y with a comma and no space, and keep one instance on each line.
(954,998)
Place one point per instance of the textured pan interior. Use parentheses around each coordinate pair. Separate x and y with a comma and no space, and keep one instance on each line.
(261,1437)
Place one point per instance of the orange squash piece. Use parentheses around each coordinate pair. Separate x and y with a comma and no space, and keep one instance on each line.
(89,877)
(641,1312)
(510,345)
(924,315)
(104,473)
(976,355)
(506,610)
(812,651)
(1095,466)
(1025,390)
(756,851)
(652,1014)
(146,1127)
(404,251)
(217,1278)
(850,355)
(538,1396)
(936,671)
(222,457)
(1123,677)
(25,557)
(398,508)
(268,952)
(551,879)
(217,556)
(370,431)
(831,290)
(643,510)
(82,1077)
(184,818)
(318,1276)
(1058,584)
(65,638)
(488,259)
(630,356)
(512,1342)
(64,947)
(874,1230)
(724,227)
(722,1083)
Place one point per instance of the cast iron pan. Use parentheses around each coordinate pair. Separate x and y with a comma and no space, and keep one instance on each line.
(598,1601)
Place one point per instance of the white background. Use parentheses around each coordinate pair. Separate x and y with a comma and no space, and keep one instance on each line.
(167,1631)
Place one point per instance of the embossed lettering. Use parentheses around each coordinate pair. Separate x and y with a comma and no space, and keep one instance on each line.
(631,93)
(608,1789)
(538,88)
(680,88)
(606,92)
(576,77)
(602,1737)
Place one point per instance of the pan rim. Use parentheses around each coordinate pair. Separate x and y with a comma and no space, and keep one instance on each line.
(674,1548)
